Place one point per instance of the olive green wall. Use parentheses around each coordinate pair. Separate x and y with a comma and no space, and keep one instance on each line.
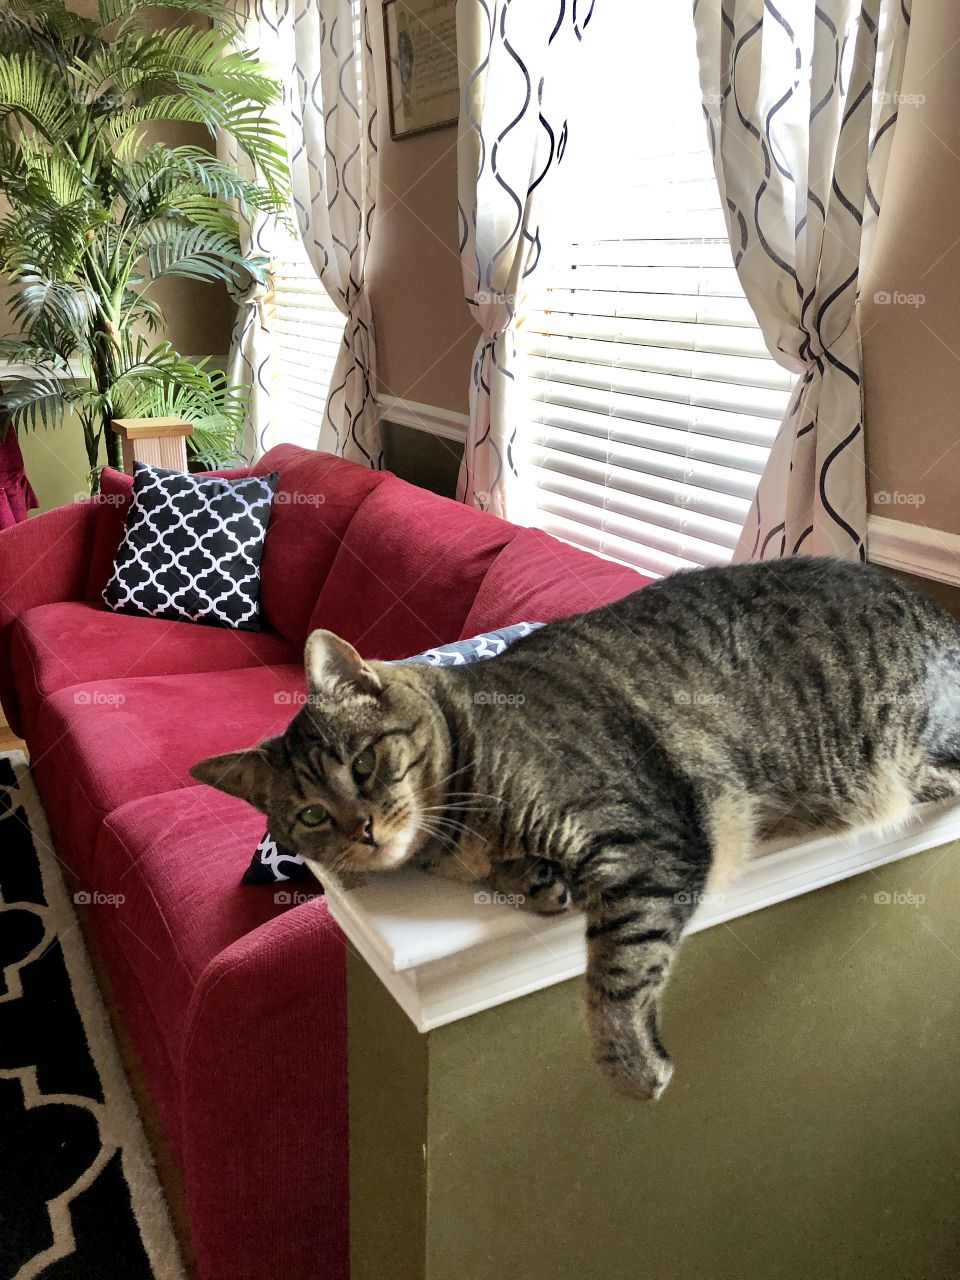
(811,1129)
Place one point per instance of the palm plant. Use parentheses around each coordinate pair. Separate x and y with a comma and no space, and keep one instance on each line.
(99,210)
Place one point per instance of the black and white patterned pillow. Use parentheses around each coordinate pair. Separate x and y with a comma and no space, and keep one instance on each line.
(272,863)
(191,548)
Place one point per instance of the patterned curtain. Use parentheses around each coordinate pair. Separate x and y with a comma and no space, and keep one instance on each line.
(331,93)
(516,57)
(324,61)
(801,102)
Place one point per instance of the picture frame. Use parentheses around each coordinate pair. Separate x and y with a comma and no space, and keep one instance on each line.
(423,84)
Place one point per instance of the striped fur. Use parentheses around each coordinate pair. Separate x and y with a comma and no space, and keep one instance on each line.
(627,759)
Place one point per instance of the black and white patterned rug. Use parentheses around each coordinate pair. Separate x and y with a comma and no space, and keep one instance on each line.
(79,1197)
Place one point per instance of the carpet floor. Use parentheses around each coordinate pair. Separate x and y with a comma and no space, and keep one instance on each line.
(79,1196)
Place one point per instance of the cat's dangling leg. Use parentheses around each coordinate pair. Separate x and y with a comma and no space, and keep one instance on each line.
(632,941)
(639,891)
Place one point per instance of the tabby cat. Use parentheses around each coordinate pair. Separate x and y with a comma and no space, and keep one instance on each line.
(628,758)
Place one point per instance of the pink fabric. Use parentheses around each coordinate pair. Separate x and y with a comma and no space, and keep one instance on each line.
(58,645)
(112,741)
(236,1004)
(407,571)
(537,578)
(16,493)
(315,500)
(42,560)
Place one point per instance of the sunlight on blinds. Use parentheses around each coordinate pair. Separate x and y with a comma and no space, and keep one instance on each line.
(650,396)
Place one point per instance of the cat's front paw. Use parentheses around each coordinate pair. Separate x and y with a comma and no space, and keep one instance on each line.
(636,1065)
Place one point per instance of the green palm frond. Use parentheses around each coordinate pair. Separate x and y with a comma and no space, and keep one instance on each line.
(177,60)
(126,12)
(35,89)
(37,298)
(199,253)
(38,401)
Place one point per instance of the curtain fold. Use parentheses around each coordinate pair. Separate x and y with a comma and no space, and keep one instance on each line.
(332,121)
(516,59)
(321,52)
(801,102)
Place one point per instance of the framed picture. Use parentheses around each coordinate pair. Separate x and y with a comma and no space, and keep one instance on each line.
(423,84)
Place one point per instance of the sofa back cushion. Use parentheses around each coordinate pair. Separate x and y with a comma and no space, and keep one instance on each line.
(538,576)
(316,498)
(116,491)
(407,573)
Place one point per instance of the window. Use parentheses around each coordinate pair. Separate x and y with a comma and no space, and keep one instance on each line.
(652,398)
(306,328)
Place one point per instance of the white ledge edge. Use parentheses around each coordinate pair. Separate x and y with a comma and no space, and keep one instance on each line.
(443,957)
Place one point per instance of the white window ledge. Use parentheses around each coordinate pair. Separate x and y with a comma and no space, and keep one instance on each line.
(444,957)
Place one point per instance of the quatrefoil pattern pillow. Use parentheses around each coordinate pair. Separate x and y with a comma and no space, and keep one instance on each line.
(191,548)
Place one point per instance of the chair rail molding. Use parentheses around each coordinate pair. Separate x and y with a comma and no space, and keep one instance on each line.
(435,421)
(914,548)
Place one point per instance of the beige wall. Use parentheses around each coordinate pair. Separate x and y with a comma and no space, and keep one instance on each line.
(912,352)
(425,335)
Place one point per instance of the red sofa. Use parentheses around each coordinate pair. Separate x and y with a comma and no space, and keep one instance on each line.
(236,1004)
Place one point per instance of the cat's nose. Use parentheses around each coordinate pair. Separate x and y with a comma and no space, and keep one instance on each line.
(362,833)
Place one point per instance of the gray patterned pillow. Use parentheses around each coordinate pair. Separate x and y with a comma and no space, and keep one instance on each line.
(273,863)
(191,548)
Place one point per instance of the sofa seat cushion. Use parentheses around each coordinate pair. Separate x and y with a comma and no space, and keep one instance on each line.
(60,645)
(408,570)
(539,577)
(166,871)
(109,742)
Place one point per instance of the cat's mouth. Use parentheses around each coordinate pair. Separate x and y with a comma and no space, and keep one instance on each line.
(384,853)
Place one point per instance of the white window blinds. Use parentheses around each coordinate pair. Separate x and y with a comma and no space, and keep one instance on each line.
(650,396)
(306,328)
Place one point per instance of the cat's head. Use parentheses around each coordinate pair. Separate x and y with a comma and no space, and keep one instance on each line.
(346,785)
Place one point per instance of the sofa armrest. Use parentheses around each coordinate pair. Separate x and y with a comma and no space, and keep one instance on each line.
(43,560)
(264,1104)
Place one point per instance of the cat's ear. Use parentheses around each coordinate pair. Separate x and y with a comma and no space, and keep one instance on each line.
(247,774)
(336,670)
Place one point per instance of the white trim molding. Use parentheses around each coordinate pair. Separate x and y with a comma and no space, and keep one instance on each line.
(445,951)
(424,417)
(913,548)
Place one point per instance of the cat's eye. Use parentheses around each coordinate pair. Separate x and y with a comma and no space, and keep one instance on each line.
(314,815)
(365,763)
